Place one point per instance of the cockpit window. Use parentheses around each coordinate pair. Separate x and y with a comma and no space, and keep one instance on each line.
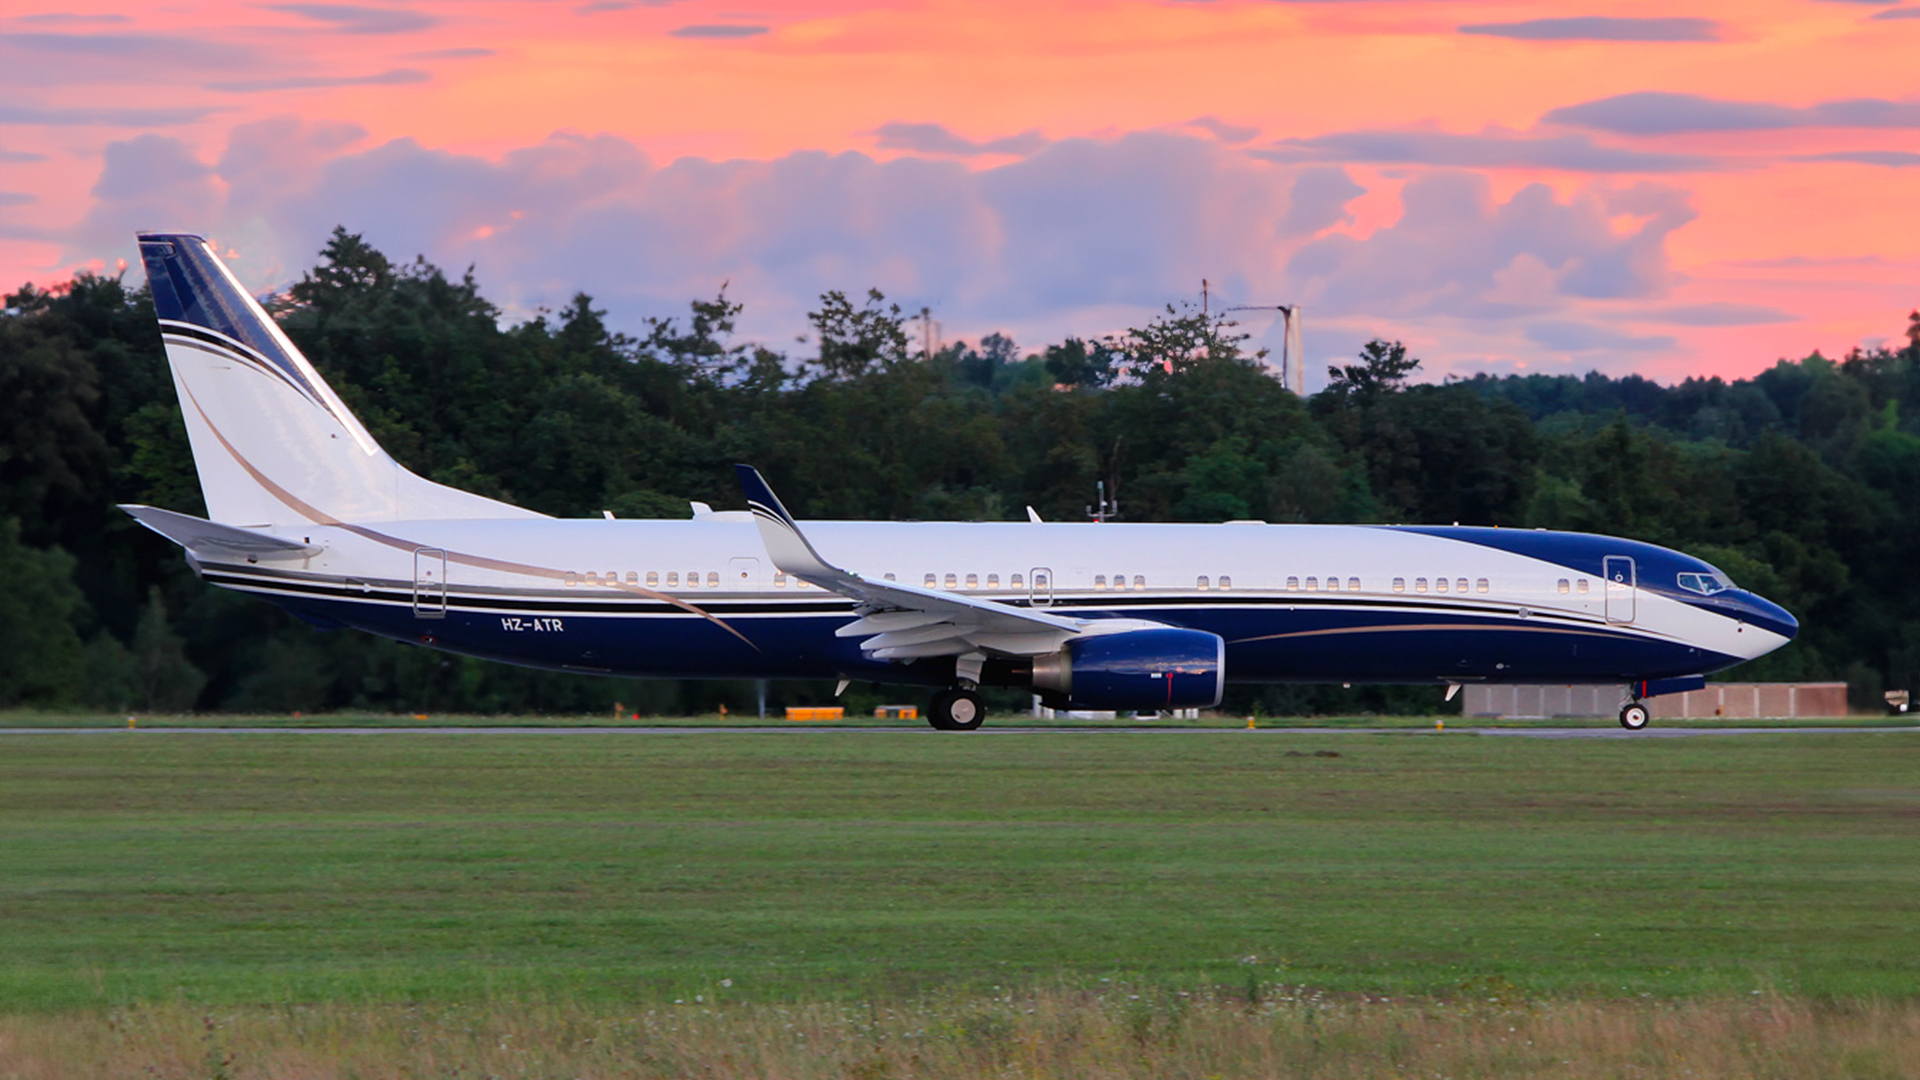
(1704,584)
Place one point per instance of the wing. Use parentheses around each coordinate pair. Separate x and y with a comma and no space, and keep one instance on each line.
(903,622)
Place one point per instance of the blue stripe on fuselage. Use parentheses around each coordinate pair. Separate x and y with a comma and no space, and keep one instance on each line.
(1267,641)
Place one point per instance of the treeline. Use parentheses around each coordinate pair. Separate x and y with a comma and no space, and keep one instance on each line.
(1802,482)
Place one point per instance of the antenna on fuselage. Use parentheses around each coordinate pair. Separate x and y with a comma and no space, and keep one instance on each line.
(1103,508)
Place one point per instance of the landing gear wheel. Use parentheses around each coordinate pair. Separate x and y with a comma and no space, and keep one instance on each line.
(956,710)
(1633,717)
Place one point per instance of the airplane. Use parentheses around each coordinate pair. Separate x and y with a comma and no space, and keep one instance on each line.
(307,511)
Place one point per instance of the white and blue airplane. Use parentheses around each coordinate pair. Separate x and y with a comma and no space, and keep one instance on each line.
(308,512)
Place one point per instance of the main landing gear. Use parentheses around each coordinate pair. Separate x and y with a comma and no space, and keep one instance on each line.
(1633,716)
(958,709)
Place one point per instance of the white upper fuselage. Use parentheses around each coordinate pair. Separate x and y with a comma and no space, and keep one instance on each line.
(715,567)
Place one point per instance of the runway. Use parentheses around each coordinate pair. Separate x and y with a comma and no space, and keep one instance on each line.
(1596,732)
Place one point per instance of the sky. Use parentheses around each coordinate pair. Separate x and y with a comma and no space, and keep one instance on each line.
(1671,189)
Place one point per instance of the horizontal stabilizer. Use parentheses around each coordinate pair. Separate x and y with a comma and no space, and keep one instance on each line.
(198,535)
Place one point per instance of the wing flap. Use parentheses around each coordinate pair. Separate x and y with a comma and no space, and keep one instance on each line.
(902,622)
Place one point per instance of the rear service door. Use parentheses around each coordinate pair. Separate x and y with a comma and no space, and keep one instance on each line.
(429,583)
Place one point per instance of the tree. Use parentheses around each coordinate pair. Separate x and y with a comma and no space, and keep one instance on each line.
(1383,368)
(40,650)
(1179,340)
(164,679)
(854,340)
(1080,365)
(703,351)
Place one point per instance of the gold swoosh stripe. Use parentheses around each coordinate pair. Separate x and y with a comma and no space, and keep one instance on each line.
(320,517)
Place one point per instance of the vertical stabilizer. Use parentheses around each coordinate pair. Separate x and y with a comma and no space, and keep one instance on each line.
(274,445)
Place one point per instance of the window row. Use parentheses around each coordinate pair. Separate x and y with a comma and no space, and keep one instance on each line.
(1333,584)
(1582,588)
(611,579)
(953,581)
(1441,585)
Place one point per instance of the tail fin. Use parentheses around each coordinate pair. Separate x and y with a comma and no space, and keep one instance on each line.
(274,445)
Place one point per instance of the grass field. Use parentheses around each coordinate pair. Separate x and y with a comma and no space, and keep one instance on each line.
(814,866)
(1108,1036)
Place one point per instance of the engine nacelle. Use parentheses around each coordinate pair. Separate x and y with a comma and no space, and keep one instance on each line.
(1137,669)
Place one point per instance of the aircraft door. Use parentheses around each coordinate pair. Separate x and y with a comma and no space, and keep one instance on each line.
(429,583)
(1619,572)
(1040,587)
(743,574)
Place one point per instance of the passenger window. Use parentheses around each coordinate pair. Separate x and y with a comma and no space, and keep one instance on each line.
(1039,581)
(653,579)
(1200,583)
(693,579)
(779,581)
(1460,586)
(973,581)
(673,579)
(1333,584)
(1293,584)
(890,577)
(613,578)
(572,579)
(1563,586)
(1481,585)
(930,582)
(1313,583)
(1353,584)
(592,578)
(1419,584)
(1399,584)
(713,579)
(1017,581)
(952,582)
(1225,582)
(1583,586)
(993,581)
(1099,581)
(1440,585)
(1119,581)
(1139,581)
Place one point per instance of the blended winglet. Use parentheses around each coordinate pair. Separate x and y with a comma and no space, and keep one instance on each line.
(903,622)
(786,545)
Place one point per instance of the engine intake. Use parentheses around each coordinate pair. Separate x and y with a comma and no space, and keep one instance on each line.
(1136,669)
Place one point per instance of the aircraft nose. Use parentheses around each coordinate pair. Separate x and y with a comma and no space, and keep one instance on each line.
(1768,615)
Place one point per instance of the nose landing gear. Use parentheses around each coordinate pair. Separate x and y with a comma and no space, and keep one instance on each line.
(958,709)
(1633,716)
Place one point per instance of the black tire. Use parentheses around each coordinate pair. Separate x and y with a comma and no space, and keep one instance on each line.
(956,710)
(1633,717)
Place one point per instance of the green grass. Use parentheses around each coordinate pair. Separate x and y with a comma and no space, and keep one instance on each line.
(807,865)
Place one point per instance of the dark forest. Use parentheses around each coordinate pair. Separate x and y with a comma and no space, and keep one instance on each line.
(1803,482)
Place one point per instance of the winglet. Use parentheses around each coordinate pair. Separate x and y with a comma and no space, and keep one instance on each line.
(786,546)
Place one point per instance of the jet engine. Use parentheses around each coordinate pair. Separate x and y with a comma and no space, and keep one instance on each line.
(1166,668)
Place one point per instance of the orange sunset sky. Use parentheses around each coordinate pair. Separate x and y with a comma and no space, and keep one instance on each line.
(1672,189)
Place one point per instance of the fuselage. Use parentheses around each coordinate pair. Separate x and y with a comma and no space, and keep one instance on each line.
(1294,603)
